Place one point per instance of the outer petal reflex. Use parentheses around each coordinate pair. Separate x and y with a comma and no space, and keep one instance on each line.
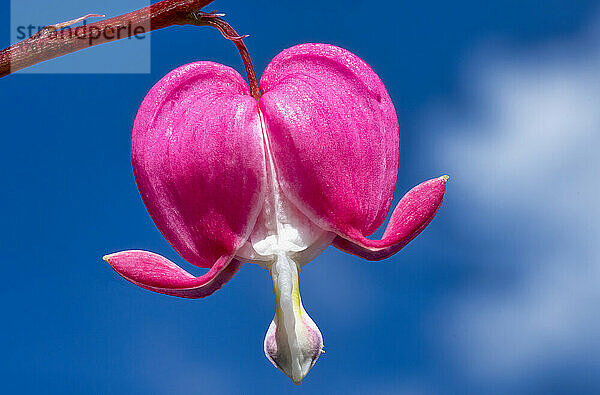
(333,132)
(158,274)
(412,214)
(198,158)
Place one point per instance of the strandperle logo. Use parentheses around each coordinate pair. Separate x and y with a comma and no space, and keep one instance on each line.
(51,28)
(84,32)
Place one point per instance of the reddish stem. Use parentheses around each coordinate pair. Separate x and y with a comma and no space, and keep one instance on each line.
(229,33)
(52,41)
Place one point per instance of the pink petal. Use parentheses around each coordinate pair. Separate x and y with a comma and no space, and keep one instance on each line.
(412,214)
(198,158)
(334,136)
(158,274)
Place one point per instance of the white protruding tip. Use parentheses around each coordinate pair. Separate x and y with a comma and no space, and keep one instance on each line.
(293,342)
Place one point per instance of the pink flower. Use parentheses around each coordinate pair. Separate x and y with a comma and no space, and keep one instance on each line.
(229,179)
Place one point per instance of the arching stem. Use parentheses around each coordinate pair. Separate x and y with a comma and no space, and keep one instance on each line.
(57,40)
(229,33)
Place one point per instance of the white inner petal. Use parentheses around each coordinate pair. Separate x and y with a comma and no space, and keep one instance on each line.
(281,227)
(282,241)
(293,342)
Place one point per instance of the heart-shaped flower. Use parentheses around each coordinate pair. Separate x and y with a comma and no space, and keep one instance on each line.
(229,179)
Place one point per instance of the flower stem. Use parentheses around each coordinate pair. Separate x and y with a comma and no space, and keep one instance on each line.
(57,40)
(229,33)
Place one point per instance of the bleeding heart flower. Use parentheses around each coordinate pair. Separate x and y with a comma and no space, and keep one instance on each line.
(229,179)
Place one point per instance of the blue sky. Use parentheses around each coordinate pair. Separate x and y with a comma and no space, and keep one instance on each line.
(498,295)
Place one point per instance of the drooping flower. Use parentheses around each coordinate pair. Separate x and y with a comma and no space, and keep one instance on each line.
(229,179)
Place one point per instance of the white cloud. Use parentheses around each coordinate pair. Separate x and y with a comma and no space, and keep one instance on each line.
(524,156)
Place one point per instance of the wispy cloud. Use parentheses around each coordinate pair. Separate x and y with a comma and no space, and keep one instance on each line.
(523,150)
